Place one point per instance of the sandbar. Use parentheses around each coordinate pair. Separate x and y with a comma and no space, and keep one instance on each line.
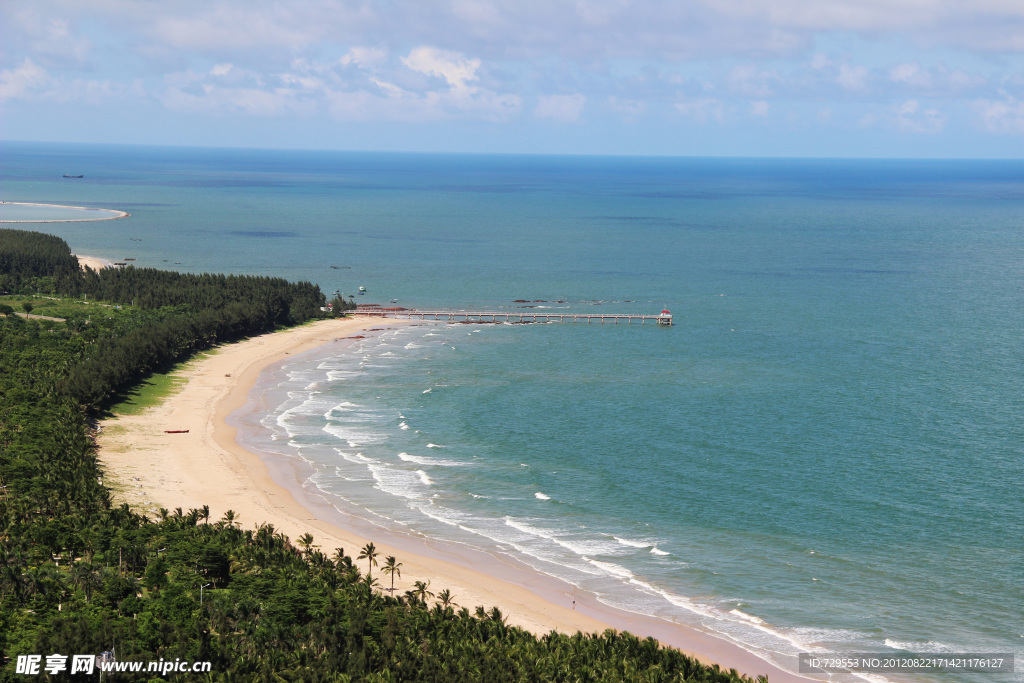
(115,214)
(149,468)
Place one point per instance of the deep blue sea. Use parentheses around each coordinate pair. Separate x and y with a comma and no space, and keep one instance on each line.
(825,453)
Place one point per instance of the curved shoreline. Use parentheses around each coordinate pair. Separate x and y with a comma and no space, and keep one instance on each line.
(120,214)
(206,466)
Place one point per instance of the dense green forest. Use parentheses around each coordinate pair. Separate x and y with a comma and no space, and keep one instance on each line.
(81,576)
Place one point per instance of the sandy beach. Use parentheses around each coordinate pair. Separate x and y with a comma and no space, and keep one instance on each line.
(94,262)
(150,468)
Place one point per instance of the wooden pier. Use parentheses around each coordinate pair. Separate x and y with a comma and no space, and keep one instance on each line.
(515,317)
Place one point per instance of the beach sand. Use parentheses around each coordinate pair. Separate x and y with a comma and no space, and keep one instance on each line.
(149,468)
(94,262)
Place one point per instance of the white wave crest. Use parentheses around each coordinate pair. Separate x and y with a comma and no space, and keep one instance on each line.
(541,496)
(424,460)
(746,617)
(930,646)
(398,482)
(354,437)
(611,568)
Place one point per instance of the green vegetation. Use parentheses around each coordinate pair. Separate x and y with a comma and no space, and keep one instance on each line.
(148,393)
(80,576)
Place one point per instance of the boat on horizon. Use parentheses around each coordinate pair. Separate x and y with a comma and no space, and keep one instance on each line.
(68,175)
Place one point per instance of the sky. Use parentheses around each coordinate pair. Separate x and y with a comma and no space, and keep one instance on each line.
(789,78)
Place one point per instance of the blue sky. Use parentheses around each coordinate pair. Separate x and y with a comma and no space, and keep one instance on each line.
(876,78)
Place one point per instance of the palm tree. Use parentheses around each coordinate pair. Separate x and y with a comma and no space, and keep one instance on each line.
(421,592)
(391,566)
(446,598)
(369,553)
(306,541)
(230,518)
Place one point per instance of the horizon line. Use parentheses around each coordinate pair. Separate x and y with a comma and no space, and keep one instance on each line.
(412,152)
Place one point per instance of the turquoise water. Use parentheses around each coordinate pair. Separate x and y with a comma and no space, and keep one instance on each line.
(824,452)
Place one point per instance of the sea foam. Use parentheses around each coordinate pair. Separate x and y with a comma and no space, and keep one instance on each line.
(424,460)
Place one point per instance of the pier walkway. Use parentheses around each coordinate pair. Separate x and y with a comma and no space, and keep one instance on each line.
(515,317)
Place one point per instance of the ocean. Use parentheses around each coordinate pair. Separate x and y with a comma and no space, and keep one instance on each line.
(824,454)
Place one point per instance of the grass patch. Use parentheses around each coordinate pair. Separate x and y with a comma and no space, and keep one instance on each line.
(62,307)
(155,388)
(148,393)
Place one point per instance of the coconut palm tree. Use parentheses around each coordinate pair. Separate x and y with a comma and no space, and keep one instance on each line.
(369,553)
(420,591)
(229,519)
(391,566)
(306,541)
(446,598)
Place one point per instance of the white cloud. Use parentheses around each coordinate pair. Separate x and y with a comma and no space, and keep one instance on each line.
(864,15)
(50,38)
(451,66)
(1001,116)
(363,85)
(909,73)
(912,118)
(908,62)
(24,80)
(29,81)
(702,109)
(363,56)
(560,107)
(237,100)
(600,13)
(749,80)
(852,77)
(630,109)
(759,108)
(221,26)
